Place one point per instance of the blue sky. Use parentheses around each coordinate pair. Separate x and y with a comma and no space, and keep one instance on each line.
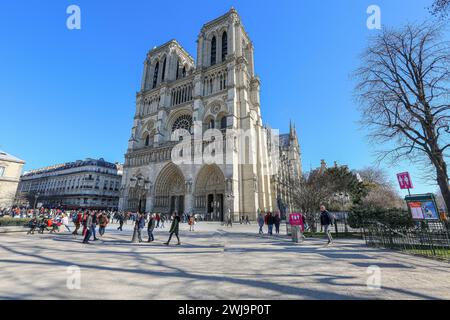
(70,94)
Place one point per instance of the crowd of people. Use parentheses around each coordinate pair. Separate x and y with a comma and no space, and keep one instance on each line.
(86,222)
(91,224)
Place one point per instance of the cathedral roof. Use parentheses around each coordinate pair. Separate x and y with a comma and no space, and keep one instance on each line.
(285,140)
(167,44)
(219,19)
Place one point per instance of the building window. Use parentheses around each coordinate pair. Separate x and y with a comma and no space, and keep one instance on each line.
(2,171)
(213,51)
(178,68)
(224,45)
(163,70)
(184,72)
(147,140)
(183,122)
(155,74)
(223,123)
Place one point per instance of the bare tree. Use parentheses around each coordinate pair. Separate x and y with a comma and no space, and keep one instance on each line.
(311,191)
(403,90)
(440,8)
(321,187)
(381,191)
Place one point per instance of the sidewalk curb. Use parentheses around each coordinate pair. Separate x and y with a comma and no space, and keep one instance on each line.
(13,229)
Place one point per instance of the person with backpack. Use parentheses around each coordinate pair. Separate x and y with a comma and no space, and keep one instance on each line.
(326,219)
(174,229)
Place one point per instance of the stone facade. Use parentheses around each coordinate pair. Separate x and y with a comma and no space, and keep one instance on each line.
(220,91)
(10,171)
(88,184)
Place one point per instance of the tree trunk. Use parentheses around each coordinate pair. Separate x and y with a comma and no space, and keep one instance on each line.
(442,179)
(437,158)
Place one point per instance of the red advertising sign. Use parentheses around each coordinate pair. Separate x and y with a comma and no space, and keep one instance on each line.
(295,219)
(404,180)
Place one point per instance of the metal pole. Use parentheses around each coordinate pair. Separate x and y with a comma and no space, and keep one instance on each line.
(135,231)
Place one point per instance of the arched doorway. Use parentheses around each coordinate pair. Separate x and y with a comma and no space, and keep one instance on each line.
(170,190)
(210,193)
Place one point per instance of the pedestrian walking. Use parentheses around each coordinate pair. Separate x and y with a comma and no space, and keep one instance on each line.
(261,223)
(326,219)
(120,217)
(94,225)
(277,221)
(191,223)
(77,222)
(88,224)
(270,222)
(65,221)
(157,218)
(84,223)
(174,228)
(163,220)
(151,227)
(102,222)
(139,224)
(230,219)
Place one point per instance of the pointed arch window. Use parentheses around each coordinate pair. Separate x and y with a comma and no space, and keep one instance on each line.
(213,50)
(178,68)
(224,45)
(184,71)
(147,140)
(223,123)
(155,74)
(163,70)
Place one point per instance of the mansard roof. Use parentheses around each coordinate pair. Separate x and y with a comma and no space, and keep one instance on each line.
(79,163)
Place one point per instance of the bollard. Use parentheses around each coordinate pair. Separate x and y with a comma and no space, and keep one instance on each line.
(296,234)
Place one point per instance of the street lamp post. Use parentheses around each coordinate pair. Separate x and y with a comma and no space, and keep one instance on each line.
(141,186)
(36,197)
(230,197)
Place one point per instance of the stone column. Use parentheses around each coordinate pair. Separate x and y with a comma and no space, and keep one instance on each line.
(144,76)
(200,49)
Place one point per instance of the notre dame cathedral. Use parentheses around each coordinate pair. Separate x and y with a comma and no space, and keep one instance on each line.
(219,91)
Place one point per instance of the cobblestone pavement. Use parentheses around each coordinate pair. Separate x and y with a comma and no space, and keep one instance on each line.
(214,262)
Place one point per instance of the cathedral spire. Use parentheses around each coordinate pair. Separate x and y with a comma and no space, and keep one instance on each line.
(291,130)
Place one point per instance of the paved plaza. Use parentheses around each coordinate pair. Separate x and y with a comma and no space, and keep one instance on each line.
(214,262)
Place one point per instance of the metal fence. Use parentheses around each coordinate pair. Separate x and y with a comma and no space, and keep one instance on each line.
(339,228)
(427,238)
